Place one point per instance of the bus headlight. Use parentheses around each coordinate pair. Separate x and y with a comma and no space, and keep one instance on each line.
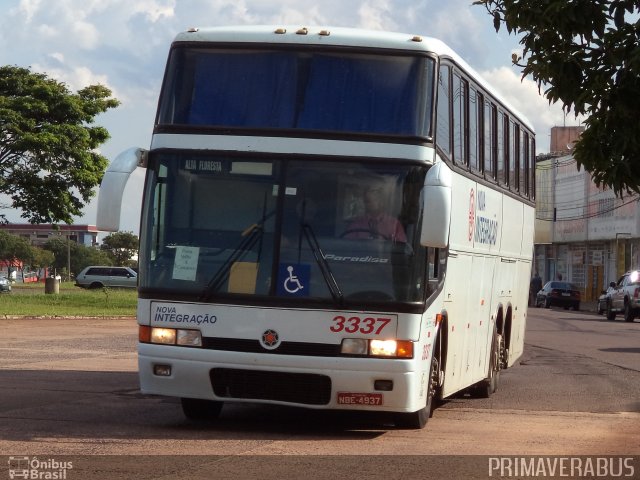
(170,336)
(189,338)
(166,336)
(354,346)
(377,348)
(391,348)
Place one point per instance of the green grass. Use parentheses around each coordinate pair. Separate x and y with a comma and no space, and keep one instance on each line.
(30,300)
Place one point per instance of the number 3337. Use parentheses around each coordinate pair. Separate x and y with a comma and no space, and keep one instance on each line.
(366,326)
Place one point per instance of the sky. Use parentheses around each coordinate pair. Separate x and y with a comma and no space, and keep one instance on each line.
(123,45)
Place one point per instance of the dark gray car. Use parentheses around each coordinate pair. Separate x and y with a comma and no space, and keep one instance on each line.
(560,294)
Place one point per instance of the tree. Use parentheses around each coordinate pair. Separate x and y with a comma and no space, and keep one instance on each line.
(15,251)
(48,163)
(79,256)
(586,54)
(121,247)
(41,258)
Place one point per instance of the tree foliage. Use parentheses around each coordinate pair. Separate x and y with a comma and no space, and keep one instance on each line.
(121,247)
(14,250)
(41,258)
(49,165)
(586,55)
(18,252)
(78,256)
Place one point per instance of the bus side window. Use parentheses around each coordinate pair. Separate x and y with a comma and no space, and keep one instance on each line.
(475,133)
(443,133)
(460,90)
(489,139)
(435,259)
(514,159)
(500,170)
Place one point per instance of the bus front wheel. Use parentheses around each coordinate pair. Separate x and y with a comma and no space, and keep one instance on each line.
(199,409)
(418,420)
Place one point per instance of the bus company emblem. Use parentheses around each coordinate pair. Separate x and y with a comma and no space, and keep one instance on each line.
(472,213)
(270,340)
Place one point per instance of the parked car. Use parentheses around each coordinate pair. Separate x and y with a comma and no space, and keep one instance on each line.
(604,298)
(103,276)
(625,297)
(559,294)
(5,284)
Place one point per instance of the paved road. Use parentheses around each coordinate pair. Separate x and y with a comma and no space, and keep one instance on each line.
(69,387)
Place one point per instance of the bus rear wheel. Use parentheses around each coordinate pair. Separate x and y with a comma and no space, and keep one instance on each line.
(199,409)
(418,420)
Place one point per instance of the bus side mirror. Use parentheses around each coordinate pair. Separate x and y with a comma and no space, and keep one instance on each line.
(112,187)
(436,207)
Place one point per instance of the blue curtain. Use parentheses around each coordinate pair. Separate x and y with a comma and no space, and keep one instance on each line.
(244,89)
(330,92)
(361,95)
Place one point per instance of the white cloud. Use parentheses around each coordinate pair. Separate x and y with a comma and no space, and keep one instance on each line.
(376,15)
(75,78)
(27,8)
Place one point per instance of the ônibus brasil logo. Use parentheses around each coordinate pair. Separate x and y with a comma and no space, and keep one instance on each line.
(34,468)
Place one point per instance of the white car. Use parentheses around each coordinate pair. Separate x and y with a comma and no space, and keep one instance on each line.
(625,297)
(604,298)
(105,276)
(5,285)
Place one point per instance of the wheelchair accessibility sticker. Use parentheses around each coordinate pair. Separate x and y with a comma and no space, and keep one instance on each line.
(293,280)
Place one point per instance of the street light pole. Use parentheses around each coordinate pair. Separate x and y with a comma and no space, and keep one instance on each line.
(68,256)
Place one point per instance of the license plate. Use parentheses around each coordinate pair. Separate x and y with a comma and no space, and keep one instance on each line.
(360,399)
(566,294)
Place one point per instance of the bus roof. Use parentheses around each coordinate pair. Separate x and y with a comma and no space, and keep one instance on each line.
(339,36)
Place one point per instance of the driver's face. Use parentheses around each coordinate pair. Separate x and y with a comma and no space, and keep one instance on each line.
(373,200)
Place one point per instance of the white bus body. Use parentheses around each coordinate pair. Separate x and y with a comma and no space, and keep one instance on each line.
(255,287)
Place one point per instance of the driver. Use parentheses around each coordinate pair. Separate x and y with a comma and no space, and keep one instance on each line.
(376,223)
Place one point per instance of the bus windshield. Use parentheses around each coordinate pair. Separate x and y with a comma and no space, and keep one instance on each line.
(328,231)
(331,91)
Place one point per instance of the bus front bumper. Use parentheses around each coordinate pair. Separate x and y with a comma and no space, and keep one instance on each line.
(313,382)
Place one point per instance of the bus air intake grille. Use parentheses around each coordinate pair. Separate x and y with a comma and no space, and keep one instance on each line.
(285,348)
(303,388)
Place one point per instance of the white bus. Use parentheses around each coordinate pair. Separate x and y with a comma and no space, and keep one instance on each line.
(332,219)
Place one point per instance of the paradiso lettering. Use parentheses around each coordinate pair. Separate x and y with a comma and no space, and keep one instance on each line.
(170,314)
(485,229)
(367,259)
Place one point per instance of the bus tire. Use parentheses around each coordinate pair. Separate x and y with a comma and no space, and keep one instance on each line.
(199,409)
(418,420)
(489,385)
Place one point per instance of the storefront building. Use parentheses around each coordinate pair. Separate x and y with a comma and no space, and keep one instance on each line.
(583,233)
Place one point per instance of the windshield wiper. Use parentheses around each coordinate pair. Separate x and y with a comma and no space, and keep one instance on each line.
(250,237)
(318,254)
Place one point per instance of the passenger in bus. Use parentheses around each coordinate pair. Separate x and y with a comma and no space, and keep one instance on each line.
(375,222)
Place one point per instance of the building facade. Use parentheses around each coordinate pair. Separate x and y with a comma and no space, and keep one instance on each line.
(38,235)
(584,233)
